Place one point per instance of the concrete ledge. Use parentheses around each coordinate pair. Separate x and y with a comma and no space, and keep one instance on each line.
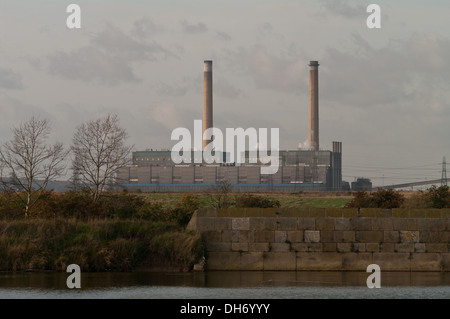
(319,261)
(279,261)
(392,261)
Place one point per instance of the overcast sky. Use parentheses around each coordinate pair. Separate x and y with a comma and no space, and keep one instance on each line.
(385,93)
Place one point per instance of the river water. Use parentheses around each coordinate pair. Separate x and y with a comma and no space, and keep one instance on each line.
(225,285)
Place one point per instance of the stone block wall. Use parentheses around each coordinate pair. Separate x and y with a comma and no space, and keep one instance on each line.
(324,239)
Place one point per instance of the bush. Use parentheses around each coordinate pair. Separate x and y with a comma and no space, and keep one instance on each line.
(183,210)
(248,201)
(438,197)
(382,198)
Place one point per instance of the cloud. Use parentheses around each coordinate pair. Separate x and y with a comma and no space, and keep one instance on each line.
(10,79)
(224,88)
(167,115)
(170,90)
(194,28)
(412,72)
(107,59)
(91,64)
(145,27)
(223,36)
(271,71)
(346,9)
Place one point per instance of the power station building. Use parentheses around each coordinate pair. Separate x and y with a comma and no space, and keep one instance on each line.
(299,170)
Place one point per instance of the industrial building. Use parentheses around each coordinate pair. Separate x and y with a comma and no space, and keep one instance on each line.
(300,170)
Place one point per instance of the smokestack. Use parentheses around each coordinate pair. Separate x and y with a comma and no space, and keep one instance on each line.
(207,99)
(313,134)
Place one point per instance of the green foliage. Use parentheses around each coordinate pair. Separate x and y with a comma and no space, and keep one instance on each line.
(95,245)
(380,199)
(183,210)
(256,201)
(438,197)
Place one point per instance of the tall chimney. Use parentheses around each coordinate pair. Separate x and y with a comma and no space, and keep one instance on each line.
(313,134)
(207,99)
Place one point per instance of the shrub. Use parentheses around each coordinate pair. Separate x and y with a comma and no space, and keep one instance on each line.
(183,210)
(248,201)
(382,198)
(438,197)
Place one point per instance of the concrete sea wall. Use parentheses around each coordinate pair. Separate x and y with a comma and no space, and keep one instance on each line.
(324,239)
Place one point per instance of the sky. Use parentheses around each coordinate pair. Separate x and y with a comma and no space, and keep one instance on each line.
(384,93)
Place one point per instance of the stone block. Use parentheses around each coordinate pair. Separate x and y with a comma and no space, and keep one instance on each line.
(295,236)
(257,223)
(412,224)
(392,261)
(419,247)
(312,236)
(369,212)
(431,224)
(426,262)
(264,236)
(373,247)
(306,223)
(271,224)
(246,236)
(327,236)
(391,236)
(436,247)
(385,224)
(315,247)
(344,236)
(386,247)
(222,223)
(299,247)
(280,236)
(361,223)
(280,260)
(239,246)
(369,236)
(409,236)
(400,212)
(334,212)
(215,246)
(329,247)
(342,224)
(359,247)
(431,236)
(317,212)
(344,247)
(252,261)
(356,261)
(417,213)
(279,247)
(327,261)
(258,247)
(404,247)
(400,224)
(287,223)
(240,223)
(349,212)
(205,224)
(223,261)
(324,223)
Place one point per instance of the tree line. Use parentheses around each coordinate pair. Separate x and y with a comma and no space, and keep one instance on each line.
(28,162)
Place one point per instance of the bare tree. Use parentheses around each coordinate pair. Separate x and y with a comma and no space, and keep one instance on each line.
(99,150)
(30,162)
(219,194)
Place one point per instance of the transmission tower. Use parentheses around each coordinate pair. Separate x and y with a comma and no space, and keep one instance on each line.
(444,172)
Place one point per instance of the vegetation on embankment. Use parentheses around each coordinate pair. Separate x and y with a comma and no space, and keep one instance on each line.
(118,232)
(96,245)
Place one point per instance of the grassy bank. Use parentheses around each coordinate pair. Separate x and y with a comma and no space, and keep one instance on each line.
(96,245)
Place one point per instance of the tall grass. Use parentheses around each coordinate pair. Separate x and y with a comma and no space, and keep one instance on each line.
(95,245)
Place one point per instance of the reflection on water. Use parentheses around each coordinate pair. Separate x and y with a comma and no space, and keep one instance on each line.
(233,284)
